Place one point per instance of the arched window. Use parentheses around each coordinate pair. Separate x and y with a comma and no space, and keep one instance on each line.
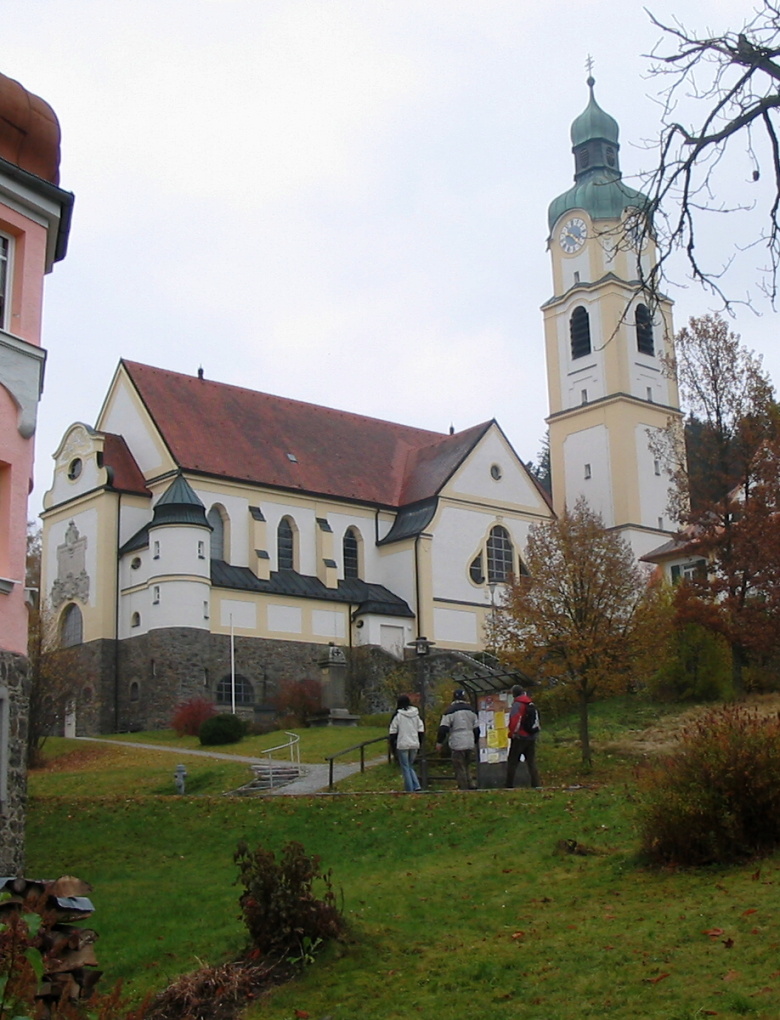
(135,620)
(135,691)
(476,573)
(244,693)
(644,330)
(217,516)
(285,545)
(71,627)
(351,553)
(579,331)
(500,554)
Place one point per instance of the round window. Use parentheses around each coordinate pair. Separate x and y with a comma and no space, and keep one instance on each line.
(135,563)
(495,472)
(74,469)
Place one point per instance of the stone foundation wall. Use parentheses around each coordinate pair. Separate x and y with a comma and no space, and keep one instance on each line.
(159,670)
(14,679)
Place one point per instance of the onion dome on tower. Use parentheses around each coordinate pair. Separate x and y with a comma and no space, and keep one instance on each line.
(598,187)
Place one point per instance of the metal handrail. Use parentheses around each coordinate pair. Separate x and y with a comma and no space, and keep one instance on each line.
(355,747)
(295,754)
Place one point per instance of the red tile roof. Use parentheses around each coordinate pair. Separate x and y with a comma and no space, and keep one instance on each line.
(124,473)
(217,429)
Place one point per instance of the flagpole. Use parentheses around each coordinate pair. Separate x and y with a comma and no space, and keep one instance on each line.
(232,667)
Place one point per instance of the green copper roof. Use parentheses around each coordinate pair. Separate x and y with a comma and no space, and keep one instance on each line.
(603,197)
(598,187)
(593,122)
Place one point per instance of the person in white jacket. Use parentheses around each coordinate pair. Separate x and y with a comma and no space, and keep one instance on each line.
(406,729)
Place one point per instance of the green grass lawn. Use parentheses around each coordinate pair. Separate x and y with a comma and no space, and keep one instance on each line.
(459,904)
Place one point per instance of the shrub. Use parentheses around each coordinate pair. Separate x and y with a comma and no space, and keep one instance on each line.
(695,666)
(718,798)
(190,716)
(298,700)
(221,729)
(278,903)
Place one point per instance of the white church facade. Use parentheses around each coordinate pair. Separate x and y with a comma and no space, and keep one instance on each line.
(195,512)
(195,517)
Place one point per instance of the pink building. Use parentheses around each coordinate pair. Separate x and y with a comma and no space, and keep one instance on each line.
(34,223)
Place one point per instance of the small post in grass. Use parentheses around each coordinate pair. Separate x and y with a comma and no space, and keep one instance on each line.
(179,777)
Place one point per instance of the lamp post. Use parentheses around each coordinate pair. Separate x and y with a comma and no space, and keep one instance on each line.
(422,647)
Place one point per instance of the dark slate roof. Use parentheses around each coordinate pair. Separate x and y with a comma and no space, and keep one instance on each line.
(288,582)
(410,521)
(124,475)
(140,540)
(230,432)
(179,504)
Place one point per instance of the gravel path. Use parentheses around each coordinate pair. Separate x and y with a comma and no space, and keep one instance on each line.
(313,780)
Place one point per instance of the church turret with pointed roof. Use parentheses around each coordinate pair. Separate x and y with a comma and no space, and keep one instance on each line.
(605,343)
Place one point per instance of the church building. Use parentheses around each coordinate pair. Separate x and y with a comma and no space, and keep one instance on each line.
(197,521)
(197,518)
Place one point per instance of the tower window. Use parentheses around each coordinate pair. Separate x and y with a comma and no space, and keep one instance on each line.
(5,278)
(285,545)
(649,394)
(584,397)
(643,320)
(218,519)
(135,620)
(587,471)
(499,554)
(245,695)
(579,331)
(657,467)
(71,627)
(351,554)
(475,570)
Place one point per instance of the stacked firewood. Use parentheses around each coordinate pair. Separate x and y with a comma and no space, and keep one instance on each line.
(69,963)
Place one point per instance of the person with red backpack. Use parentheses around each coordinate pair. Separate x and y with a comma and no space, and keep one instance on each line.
(523,732)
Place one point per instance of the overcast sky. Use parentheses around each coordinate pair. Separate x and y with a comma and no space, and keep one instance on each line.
(341,202)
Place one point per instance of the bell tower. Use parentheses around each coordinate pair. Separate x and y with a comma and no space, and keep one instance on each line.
(605,338)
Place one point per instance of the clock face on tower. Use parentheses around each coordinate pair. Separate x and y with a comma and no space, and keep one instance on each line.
(573,235)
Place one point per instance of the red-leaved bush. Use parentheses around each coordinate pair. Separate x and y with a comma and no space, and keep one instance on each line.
(279,904)
(298,700)
(716,800)
(190,716)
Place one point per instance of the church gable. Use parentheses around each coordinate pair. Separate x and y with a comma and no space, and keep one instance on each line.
(493,474)
(124,413)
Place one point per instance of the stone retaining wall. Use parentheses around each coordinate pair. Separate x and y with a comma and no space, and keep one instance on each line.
(14,681)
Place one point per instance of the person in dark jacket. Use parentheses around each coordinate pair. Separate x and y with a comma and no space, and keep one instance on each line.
(521,741)
(459,726)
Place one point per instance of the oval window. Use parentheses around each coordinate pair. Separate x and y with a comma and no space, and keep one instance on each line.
(74,468)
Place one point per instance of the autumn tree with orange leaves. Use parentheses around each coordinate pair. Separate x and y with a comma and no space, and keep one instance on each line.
(729,500)
(578,616)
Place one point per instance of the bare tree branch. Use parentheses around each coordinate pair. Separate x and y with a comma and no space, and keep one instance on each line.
(729,86)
